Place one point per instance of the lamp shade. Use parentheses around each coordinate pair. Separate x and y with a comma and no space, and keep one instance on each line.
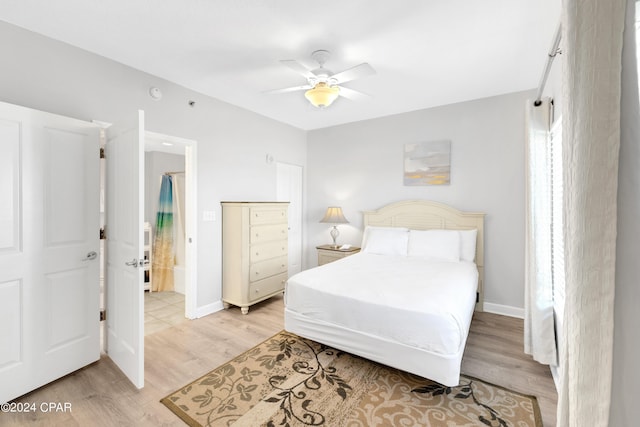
(334,215)
(322,95)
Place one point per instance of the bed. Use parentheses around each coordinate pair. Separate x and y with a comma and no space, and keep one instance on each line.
(407,299)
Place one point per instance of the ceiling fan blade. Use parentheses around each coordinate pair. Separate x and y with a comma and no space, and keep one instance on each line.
(353,95)
(298,68)
(353,73)
(288,89)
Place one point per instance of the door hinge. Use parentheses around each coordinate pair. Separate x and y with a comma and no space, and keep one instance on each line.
(103,315)
(102,156)
(103,233)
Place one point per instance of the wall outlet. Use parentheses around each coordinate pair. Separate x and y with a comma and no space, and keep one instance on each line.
(208,216)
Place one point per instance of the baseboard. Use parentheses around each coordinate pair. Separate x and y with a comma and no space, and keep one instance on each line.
(208,309)
(505,310)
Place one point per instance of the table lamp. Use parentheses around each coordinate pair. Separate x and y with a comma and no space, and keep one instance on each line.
(334,216)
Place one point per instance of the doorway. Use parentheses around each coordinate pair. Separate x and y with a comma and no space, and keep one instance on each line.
(185,150)
(124,211)
(172,158)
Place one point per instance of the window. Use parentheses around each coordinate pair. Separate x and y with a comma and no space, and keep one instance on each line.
(544,274)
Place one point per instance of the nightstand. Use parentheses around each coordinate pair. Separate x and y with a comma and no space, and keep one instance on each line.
(327,253)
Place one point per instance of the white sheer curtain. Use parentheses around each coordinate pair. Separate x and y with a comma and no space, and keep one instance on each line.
(539,325)
(592,45)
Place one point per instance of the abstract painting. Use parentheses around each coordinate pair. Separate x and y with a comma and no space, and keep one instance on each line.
(427,163)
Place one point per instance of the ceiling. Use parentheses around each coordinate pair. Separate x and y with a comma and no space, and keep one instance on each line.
(426,53)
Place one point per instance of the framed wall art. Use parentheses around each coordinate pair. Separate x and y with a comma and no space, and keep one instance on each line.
(427,163)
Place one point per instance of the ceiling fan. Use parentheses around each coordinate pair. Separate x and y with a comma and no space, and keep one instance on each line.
(323,86)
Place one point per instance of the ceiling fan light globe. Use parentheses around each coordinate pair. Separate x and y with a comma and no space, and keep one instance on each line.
(322,95)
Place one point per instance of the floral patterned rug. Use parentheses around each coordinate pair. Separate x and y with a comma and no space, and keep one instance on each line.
(292,381)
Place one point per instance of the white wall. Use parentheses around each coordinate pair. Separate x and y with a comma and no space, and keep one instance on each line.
(359,166)
(625,394)
(44,74)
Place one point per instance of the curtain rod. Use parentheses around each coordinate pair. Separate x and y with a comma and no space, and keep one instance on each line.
(547,68)
(173,173)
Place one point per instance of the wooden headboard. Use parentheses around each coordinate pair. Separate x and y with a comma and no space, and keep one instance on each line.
(427,215)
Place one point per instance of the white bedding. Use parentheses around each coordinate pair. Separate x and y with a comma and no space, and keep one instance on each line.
(409,300)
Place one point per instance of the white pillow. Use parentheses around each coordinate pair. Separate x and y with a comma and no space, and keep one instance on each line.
(385,240)
(468,245)
(435,245)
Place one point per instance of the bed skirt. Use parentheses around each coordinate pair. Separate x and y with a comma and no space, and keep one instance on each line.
(444,369)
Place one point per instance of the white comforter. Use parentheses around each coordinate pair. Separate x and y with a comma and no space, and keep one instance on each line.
(423,304)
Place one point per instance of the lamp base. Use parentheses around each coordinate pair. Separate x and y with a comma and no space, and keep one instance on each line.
(334,235)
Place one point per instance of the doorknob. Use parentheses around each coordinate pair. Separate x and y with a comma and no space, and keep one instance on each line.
(133,263)
(90,256)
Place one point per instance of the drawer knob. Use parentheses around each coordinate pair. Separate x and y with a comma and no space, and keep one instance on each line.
(257,273)
(257,291)
(257,253)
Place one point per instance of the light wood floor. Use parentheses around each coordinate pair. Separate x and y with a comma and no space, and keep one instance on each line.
(101,396)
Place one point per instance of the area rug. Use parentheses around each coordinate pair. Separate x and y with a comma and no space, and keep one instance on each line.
(292,381)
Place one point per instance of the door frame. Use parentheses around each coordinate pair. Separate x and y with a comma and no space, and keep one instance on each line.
(190,148)
(280,196)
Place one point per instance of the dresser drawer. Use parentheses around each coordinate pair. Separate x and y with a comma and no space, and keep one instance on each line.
(268,233)
(259,215)
(266,287)
(267,251)
(262,270)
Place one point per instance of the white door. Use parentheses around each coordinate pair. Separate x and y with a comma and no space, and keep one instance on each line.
(289,189)
(49,240)
(124,228)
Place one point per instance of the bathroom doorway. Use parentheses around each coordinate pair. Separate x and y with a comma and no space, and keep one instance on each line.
(171,159)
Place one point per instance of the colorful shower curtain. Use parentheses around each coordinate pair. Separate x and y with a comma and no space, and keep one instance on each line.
(163,258)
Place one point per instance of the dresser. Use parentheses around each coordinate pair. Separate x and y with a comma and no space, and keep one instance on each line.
(254,252)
